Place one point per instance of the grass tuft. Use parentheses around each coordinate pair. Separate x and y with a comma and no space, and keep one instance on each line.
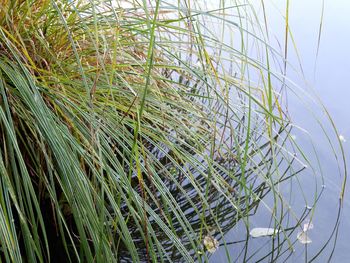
(133,131)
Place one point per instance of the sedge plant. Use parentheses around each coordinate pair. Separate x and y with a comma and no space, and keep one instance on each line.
(133,131)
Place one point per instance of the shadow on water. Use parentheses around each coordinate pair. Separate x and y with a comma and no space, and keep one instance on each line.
(231,227)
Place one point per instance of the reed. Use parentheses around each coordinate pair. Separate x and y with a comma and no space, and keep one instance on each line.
(131,131)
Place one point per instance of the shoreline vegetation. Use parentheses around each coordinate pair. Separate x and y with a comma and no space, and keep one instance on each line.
(136,131)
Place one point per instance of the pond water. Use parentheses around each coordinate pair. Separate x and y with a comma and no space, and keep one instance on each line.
(326,75)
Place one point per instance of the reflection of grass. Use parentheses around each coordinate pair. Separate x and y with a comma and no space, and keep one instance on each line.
(131,133)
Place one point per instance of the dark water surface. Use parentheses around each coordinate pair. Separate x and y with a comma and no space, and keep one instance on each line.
(329,81)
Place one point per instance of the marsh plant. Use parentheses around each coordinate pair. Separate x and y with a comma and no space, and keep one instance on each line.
(139,130)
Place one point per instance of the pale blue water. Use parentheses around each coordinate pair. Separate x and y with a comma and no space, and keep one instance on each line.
(329,80)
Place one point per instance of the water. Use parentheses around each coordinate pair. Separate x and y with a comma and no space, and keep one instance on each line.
(330,84)
(328,80)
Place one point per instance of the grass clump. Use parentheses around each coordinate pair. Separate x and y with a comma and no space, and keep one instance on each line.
(129,131)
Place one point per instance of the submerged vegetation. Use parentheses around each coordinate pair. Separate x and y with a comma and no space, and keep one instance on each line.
(137,131)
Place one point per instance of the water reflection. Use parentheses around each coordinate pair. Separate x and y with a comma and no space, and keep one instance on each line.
(231,227)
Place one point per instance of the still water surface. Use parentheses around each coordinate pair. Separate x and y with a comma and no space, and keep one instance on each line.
(327,76)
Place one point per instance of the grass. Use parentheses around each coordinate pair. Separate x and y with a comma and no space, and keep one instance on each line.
(131,131)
